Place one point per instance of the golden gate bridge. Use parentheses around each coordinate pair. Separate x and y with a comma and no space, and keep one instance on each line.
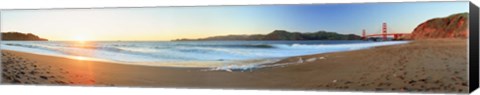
(384,35)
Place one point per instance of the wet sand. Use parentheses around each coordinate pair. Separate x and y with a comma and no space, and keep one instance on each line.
(419,66)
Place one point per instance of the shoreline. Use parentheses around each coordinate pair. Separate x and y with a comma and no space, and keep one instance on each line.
(212,64)
(404,67)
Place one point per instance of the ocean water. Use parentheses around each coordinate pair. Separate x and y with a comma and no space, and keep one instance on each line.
(188,53)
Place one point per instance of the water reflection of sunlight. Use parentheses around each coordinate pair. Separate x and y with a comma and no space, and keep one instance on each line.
(83,72)
(85,75)
(81,43)
(80,58)
(81,50)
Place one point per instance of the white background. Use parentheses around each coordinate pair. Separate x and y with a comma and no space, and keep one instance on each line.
(68,90)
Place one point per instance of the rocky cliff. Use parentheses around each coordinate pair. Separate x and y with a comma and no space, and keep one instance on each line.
(453,26)
(21,37)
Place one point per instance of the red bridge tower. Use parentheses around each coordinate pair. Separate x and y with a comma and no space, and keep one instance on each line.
(384,31)
(364,34)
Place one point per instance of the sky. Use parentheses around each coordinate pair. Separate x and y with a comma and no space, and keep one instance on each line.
(169,23)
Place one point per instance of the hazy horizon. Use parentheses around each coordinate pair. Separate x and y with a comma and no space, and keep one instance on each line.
(169,23)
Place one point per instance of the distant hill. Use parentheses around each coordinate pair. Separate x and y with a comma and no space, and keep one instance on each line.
(453,26)
(10,36)
(283,35)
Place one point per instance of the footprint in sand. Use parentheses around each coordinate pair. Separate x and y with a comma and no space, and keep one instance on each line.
(44,77)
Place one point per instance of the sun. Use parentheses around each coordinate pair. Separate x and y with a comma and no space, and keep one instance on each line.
(80,38)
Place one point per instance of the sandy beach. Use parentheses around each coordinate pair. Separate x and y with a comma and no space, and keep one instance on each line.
(420,66)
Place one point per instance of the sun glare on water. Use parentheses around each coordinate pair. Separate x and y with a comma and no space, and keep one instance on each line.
(80,39)
(79,58)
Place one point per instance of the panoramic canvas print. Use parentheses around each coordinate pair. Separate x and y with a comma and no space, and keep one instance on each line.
(399,47)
